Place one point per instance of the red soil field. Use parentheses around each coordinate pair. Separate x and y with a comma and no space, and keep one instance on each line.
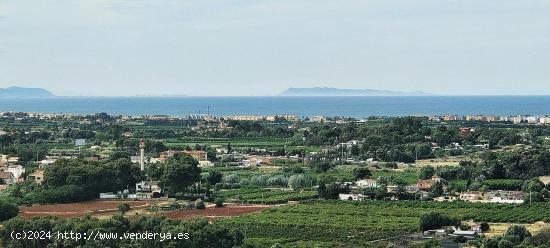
(214,212)
(77,209)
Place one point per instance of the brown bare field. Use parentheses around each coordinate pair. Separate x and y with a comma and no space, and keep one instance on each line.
(78,209)
(441,162)
(214,212)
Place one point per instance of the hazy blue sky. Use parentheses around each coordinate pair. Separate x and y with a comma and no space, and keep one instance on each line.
(254,47)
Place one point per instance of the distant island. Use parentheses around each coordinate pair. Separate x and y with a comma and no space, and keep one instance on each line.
(326,91)
(20,92)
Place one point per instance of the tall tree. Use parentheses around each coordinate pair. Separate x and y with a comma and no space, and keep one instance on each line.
(180,172)
(361,173)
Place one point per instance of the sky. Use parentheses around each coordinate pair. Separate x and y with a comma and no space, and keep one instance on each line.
(256,47)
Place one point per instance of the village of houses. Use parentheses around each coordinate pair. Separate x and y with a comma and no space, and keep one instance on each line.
(424,186)
(11,172)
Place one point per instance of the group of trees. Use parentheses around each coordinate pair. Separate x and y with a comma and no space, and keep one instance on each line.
(294,181)
(178,173)
(240,129)
(501,170)
(406,139)
(8,210)
(176,233)
(434,220)
(515,236)
(78,180)
(93,177)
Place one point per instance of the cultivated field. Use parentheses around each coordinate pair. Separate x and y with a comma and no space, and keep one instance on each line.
(213,212)
(351,224)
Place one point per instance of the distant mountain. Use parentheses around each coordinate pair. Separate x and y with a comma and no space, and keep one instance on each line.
(17,92)
(326,91)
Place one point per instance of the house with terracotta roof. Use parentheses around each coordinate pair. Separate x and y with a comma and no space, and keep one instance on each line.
(425,185)
(197,155)
(7,177)
(37,176)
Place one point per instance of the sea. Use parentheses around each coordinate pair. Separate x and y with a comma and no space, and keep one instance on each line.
(357,107)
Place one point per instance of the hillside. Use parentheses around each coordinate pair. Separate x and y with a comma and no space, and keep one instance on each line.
(326,91)
(17,92)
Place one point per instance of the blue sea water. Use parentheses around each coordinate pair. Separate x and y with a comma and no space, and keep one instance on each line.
(300,106)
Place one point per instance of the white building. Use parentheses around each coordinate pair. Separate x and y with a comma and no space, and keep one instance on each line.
(545,120)
(16,170)
(205,163)
(517,119)
(319,119)
(251,162)
(532,119)
(352,197)
(367,183)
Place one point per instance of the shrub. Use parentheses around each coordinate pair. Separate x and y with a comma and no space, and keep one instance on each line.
(199,204)
(231,178)
(431,244)
(484,226)
(123,208)
(175,206)
(219,202)
(244,182)
(505,244)
(460,239)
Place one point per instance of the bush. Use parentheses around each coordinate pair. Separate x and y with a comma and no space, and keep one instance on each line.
(231,178)
(299,181)
(464,227)
(123,208)
(61,194)
(460,239)
(505,244)
(8,210)
(516,234)
(203,233)
(431,244)
(484,226)
(244,182)
(199,204)
(219,202)
(175,205)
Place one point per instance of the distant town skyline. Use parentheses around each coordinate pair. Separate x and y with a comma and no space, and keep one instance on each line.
(261,48)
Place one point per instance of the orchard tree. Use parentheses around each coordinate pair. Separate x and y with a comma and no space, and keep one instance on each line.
(427,172)
(361,173)
(214,176)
